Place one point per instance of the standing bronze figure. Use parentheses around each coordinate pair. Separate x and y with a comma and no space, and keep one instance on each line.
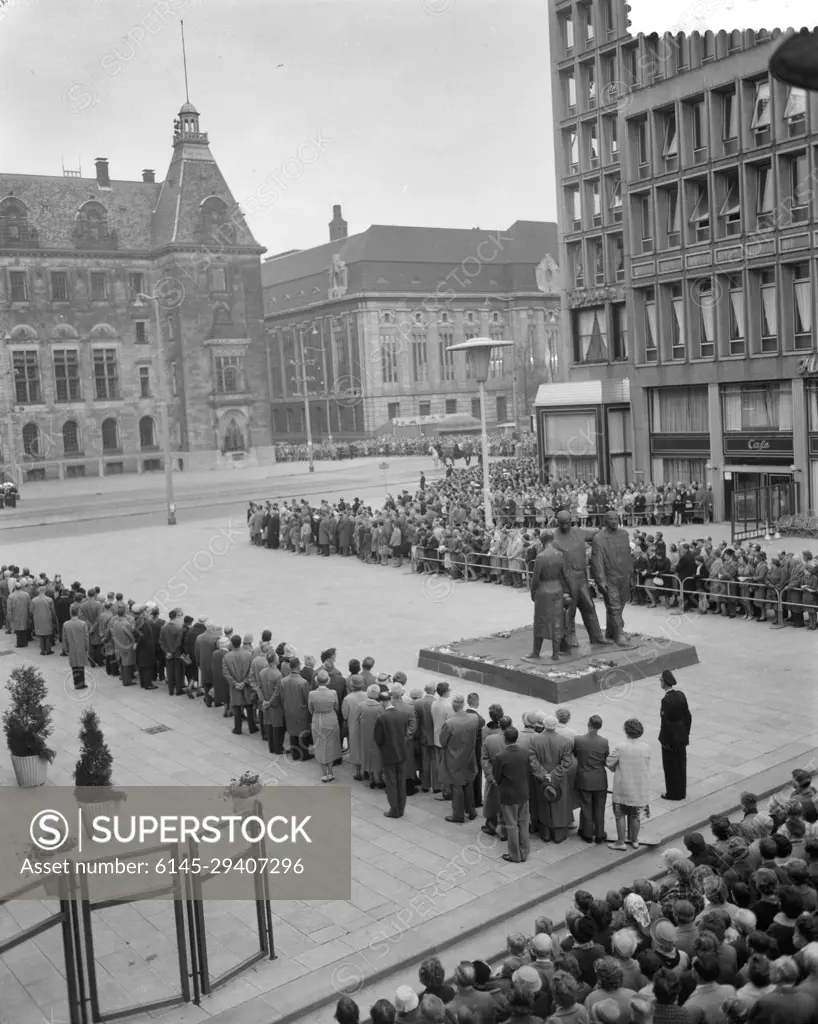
(549,585)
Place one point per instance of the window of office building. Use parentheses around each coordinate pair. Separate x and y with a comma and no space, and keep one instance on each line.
(573,202)
(572,149)
(735,313)
(500,402)
(136,285)
(673,214)
(760,121)
(567,29)
(475,408)
(144,382)
(677,322)
(700,212)
(769,311)
(795,111)
(32,441)
(576,264)
(496,361)
(99,287)
(110,436)
(597,260)
(389,359)
(620,459)
(796,174)
(451,406)
(617,244)
(393,410)
(228,374)
(730,211)
(699,125)
(570,91)
(757,407)
(590,335)
(615,203)
(59,286)
(765,218)
(147,434)
(644,208)
(71,444)
(619,314)
(670,146)
(651,334)
(593,146)
(802,306)
(18,286)
(704,300)
(679,410)
(596,203)
(570,445)
(729,122)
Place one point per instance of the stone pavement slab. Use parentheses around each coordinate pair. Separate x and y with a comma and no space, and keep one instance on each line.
(751,696)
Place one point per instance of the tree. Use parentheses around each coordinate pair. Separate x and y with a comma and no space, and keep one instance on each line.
(27,723)
(96,762)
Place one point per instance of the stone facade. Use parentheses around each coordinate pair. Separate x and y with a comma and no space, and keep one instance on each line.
(82,385)
(376,311)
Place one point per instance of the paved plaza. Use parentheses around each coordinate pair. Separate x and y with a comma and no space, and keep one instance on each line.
(751,698)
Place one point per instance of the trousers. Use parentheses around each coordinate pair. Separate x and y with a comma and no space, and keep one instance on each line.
(592,812)
(463,800)
(395,788)
(615,596)
(674,765)
(516,820)
(581,599)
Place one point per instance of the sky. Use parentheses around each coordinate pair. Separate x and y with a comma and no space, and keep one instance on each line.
(417,112)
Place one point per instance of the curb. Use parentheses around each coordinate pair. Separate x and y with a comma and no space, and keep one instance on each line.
(377,976)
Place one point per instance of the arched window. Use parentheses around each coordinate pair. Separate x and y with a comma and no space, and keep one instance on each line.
(32,441)
(231,378)
(147,433)
(110,436)
(13,221)
(216,226)
(71,438)
(91,224)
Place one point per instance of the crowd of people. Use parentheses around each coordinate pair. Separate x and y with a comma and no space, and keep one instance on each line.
(728,934)
(392,446)
(442,529)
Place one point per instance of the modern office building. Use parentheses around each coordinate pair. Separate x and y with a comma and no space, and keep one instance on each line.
(688,238)
(365,322)
(81,385)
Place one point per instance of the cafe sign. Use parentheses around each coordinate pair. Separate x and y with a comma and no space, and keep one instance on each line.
(758,445)
(808,366)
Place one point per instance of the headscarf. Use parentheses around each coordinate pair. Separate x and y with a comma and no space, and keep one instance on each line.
(637,912)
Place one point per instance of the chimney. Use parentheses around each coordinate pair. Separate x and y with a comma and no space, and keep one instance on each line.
(149,177)
(102,172)
(337,226)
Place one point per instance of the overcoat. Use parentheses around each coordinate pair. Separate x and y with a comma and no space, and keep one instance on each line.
(326,733)
(206,645)
(236,668)
(457,739)
(269,689)
(369,711)
(19,610)
(349,713)
(124,641)
(294,693)
(44,615)
(75,642)
(407,709)
(550,755)
(221,692)
(145,651)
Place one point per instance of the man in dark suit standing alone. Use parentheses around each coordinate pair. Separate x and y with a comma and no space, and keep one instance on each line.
(391,729)
(458,764)
(511,775)
(592,781)
(674,736)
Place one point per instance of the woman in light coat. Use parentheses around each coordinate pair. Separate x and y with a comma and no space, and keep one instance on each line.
(326,732)
(369,711)
(349,713)
(630,763)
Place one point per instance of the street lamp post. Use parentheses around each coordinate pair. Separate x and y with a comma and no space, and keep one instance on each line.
(163,392)
(478,353)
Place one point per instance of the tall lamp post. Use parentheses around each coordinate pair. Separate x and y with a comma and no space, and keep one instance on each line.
(163,391)
(478,354)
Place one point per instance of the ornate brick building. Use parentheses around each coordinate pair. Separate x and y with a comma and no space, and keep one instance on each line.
(81,389)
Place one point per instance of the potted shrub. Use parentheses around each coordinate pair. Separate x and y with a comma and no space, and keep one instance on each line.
(92,775)
(27,725)
(243,791)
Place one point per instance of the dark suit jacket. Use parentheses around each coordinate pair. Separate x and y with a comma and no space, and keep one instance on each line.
(591,751)
(423,709)
(676,720)
(686,566)
(390,735)
(511,774)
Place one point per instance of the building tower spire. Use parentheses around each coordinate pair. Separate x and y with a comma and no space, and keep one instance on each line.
(184,61)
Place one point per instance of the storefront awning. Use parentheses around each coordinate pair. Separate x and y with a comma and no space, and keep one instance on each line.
(583,392)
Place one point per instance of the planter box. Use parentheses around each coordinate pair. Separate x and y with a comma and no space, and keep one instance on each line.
(30,771)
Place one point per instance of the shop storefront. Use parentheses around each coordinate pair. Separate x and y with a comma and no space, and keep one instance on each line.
(759,448)
(584,431)
(679,435)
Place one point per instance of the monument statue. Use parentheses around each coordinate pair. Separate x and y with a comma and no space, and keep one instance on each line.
(571,541)
(338,275)
(611,568)
(549,585)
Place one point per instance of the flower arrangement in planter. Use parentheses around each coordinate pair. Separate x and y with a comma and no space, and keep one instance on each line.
(27,725)
(92,774)
(243,791)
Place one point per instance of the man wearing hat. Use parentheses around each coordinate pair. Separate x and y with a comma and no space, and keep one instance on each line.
(551,758)
(467,997)
(571,541)
(407,1004)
